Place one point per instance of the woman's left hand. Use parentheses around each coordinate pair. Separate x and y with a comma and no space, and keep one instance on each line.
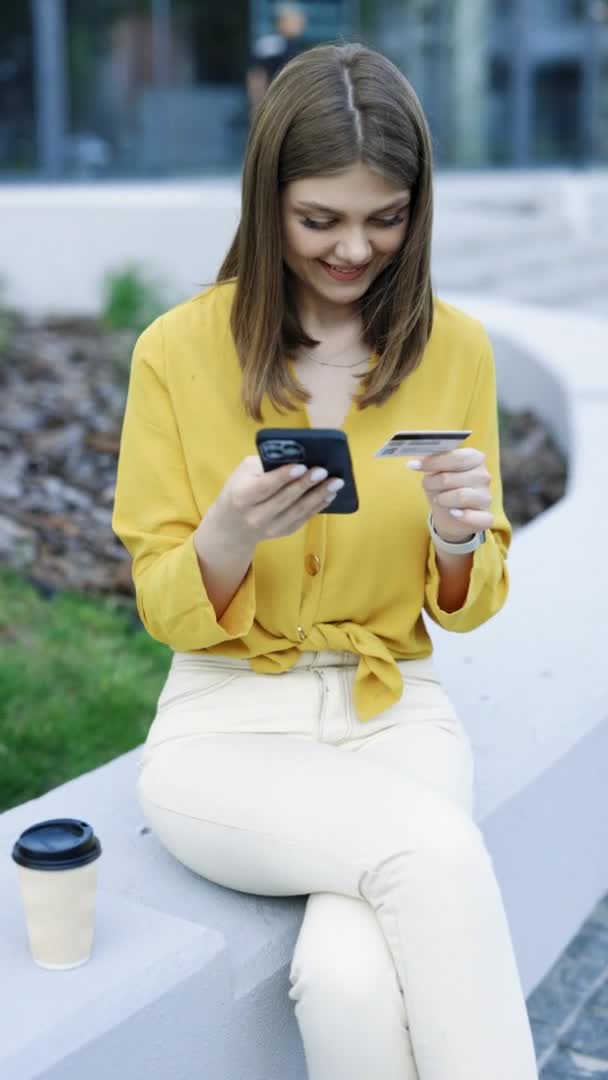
(457,480)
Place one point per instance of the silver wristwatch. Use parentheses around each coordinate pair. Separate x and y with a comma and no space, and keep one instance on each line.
(455,549)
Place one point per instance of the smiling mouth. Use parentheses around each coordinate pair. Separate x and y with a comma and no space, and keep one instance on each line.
(345,269)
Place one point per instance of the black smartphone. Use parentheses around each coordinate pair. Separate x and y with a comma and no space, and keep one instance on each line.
(325,447)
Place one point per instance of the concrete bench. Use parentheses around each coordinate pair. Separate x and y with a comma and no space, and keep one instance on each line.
(189,979)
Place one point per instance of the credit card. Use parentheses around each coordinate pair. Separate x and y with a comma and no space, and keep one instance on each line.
(418,443)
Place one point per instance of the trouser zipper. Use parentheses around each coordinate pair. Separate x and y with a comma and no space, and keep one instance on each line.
(321,675)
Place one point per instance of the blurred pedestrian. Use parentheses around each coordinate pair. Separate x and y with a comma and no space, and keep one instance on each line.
(271,52)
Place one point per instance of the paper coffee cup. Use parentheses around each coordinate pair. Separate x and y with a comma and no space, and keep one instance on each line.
(57,870)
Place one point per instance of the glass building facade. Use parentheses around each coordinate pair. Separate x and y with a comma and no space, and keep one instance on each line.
(156,88)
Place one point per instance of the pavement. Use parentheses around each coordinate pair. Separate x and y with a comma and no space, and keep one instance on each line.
(541,243)
(568,1010)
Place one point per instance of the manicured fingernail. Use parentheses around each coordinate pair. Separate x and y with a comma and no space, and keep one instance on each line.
(335,485)
(318,474)
(415,464)
(457,513)
(298,470)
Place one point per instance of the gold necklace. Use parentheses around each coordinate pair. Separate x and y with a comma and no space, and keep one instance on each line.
(328,363)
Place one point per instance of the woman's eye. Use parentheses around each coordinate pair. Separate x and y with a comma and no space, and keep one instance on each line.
(397,220)
(310,224)
(383,223)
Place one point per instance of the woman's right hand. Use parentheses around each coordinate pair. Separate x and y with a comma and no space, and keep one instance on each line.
(255,505)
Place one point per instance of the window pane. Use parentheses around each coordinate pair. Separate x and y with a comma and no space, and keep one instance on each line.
(157,88)
(205,102)
(17,131)
(110,68)
(557,91)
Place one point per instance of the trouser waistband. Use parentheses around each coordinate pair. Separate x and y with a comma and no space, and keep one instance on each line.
(307,659)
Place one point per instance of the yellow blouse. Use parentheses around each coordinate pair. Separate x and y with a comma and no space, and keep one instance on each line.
(356,582)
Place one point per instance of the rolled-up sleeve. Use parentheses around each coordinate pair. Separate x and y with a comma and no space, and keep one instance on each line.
(489,581)
(155,516)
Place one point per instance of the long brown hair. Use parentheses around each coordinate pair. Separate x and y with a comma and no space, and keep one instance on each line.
(331,107)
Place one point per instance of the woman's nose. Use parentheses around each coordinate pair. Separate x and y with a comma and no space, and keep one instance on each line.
(354,249)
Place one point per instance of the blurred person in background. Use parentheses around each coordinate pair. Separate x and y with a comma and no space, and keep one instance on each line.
(272,52)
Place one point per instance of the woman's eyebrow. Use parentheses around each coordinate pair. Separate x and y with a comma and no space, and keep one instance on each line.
(328,209)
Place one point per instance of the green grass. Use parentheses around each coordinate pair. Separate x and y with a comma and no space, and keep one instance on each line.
(78,686)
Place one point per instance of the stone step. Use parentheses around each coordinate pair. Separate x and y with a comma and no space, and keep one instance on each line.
(521,249)
(561,271)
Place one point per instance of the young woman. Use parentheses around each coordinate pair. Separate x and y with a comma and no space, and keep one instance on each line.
(303,742)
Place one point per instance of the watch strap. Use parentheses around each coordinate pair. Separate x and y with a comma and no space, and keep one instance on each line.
(450,548)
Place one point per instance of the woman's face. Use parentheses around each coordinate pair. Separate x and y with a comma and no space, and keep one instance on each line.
(363,224)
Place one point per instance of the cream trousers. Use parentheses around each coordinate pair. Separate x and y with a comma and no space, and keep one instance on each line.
(404,967)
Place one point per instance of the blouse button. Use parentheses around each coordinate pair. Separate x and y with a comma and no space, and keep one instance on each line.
(312,564)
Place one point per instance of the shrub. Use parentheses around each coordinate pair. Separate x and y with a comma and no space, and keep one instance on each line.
(131,300)
(7,320)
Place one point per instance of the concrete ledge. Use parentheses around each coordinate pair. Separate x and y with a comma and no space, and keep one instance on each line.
(531,684)
(175,231)
(178,229)
(187,977)
(110,1010)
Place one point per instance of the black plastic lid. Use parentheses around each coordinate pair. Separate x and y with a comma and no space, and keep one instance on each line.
(57,844)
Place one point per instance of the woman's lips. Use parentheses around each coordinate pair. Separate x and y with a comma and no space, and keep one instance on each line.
(339,275)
